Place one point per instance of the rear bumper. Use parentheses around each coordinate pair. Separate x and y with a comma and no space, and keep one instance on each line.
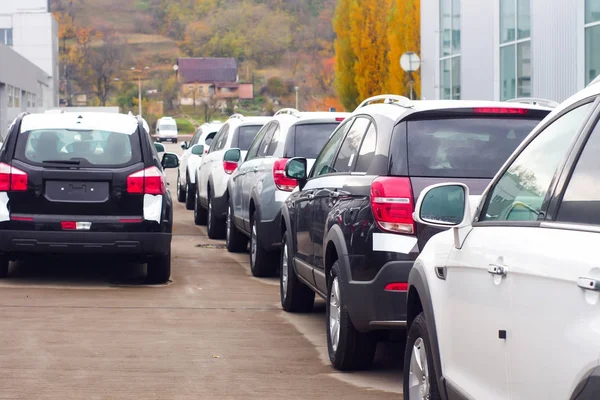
(371,307)
(133,243)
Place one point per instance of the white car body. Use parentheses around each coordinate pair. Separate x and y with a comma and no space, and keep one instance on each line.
(190,162)
(514,299)
(166,130)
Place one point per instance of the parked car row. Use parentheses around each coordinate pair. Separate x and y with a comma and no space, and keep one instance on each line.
(378,222)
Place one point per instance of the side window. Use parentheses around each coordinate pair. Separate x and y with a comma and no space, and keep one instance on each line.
(324,163)
(367,150)
(218,139)
(274,142)
(581,201)
(520,192)
(255,146)
(264,145)
(348,154)
(195,138)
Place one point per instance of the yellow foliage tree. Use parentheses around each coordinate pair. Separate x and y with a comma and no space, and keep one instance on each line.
(404,34)
(345,58)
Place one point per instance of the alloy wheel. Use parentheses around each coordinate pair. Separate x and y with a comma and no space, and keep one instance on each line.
(418,380)
(253,244)
(284,270)
(209,223)
(335,309)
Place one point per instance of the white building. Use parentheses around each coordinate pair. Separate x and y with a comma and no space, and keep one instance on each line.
(502,49)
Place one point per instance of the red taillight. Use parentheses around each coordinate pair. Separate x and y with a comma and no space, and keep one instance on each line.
(397,287)
(12,179)
(147,181)
(281,181)
(69,225)
(500,110)
(229,167)
(392,204)
(339,119)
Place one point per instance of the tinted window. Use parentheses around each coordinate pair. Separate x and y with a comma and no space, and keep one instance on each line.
(255,146)
(246,135)
(463,147)
(88,147)
(274,142)
(195,138)
(367,150)
(264,145)
(324,163)
(349,150)
(581,202)
(309,139)
(209,138)
(520,192)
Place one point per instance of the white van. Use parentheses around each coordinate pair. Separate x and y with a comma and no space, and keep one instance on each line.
(166,130)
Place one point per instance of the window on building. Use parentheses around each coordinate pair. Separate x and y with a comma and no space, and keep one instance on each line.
(17,97)
(515,49)
(6,36)
(450,49)
(592,40)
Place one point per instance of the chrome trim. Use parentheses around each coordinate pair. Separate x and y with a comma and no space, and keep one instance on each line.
(571,226)
(388,323)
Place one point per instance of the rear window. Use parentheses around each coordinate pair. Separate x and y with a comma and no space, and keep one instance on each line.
(309,139)
(463,147)
(246,135)
(89,148)
(168,126)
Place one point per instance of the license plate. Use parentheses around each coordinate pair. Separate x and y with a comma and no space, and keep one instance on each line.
(80,192)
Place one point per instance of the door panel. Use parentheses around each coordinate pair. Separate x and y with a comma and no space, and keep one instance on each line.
(303,218)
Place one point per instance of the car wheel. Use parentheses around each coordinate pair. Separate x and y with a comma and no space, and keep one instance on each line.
(295,295)
(420,381)
(190,196)
(180,190)
(174,140)
(199,212)
(348,348)
(214,224)
(4,265)
(235,240)
(262,262)
(159,269)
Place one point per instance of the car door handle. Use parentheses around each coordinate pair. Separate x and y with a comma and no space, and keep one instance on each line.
(496,269)
(334,195)
(589,284)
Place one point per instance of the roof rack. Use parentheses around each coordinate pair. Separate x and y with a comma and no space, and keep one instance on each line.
(236,116)
(534,101)
(288,111)
(387,99)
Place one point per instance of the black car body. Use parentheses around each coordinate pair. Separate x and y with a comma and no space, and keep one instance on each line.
(85,183)
(352,219)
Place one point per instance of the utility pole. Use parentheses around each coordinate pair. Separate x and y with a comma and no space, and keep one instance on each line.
(140,72)
(296,89)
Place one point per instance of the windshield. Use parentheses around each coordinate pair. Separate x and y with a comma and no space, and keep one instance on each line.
(168,127)
(246,135)
(463,147)
(309,139)
(91,148)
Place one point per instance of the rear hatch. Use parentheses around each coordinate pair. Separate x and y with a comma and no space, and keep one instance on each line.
(244,137)
(307,140)
(85,173)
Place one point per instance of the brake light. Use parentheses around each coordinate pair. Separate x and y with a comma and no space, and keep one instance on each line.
(500,110)
(396,287)
(68,225)
(12,179)
(147,181)
(339,119)
(392,204)
(229,167)
(281,181)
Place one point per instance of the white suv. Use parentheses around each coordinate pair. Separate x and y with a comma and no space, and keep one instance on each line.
(213,173)
(506,304)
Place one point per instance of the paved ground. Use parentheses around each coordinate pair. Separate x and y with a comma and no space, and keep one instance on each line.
(85,329)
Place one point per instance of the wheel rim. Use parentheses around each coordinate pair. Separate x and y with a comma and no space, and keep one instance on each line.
(228,228)
(418,380)
(334,314)
(178,183)
(284,270)
(253,244)
(209,213)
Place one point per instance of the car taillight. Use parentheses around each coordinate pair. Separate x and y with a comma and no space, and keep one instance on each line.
(392,204)
(281,181)
(229,167)
(12,179)
(500,110)
(147,181)
(396,287)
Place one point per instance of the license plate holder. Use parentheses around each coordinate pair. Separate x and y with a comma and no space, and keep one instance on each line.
(76,192)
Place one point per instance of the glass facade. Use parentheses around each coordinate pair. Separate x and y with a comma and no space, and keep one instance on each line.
(450,49)
(6,36)
(592,40)
(515,49)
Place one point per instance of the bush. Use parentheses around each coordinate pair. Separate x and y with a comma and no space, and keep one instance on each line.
(184,126)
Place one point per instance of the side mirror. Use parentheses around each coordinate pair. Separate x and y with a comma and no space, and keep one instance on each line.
(232,155)
(198,149)
(160,148)
(170,160)
(184,145)
(296,169)
(443,206)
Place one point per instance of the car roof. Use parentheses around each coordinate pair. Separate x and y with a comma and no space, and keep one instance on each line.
(110,122)
(244,121)
(304,118)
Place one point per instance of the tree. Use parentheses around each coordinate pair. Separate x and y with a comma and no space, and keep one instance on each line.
(404,34)
(104,63)
(169,90)
(345,57)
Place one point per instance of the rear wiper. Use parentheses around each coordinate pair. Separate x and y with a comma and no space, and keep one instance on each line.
(66,162)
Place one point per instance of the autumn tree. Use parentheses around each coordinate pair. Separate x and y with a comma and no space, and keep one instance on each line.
(404,34)
(104,63)
(345,57)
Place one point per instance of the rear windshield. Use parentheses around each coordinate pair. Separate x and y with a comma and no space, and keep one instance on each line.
(309,139)
(246,135)
(463,147)
(89,148)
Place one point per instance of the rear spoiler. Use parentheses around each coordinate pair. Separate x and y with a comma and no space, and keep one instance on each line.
(534,101)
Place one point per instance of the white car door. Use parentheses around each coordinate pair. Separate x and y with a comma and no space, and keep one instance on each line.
(183,160)
(208,163)
(504,315)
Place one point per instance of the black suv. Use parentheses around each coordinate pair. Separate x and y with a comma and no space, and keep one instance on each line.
(349,234)
(85,183)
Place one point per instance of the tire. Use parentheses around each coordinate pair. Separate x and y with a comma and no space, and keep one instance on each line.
(199,212)
(262,262)
(190,196)
(235,240)
(214,226)
(295,295)
(174,140)
(418,344)
(353,350)
(4,265)
(159,269)
(180,190)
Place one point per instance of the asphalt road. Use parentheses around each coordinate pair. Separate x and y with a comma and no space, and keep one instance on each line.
(89,329)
